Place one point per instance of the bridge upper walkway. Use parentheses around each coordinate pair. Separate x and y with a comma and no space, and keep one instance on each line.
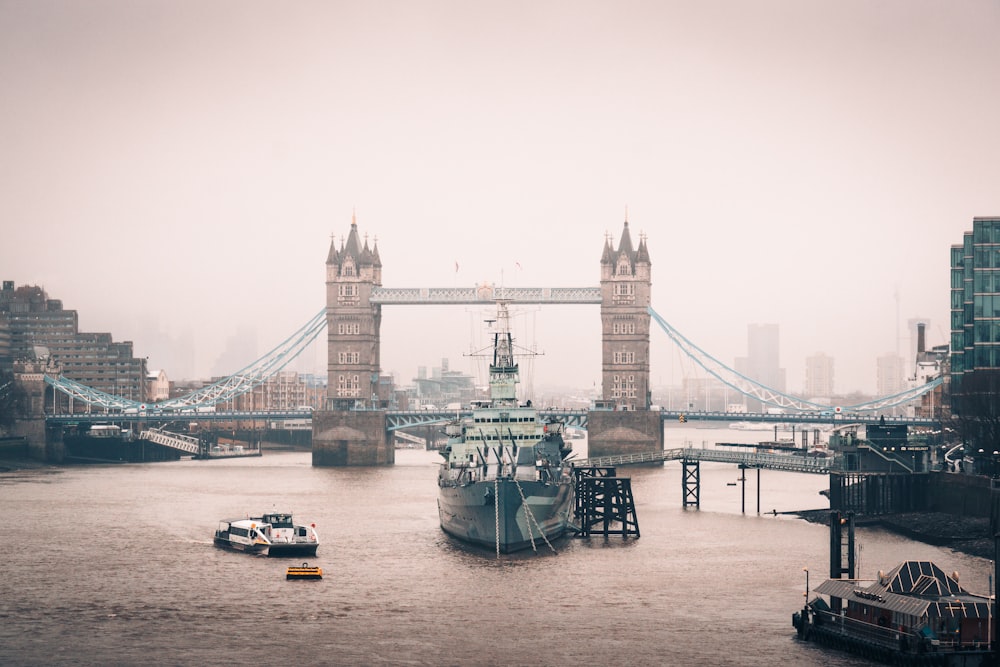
(789,462)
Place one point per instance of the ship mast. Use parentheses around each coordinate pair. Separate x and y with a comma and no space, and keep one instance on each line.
(504,375)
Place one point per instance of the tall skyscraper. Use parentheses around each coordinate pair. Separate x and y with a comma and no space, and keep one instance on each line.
(975,309)
(890,371)
(819,376)
(762,363)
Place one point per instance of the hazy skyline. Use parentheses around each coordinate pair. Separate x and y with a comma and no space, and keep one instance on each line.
(174,171)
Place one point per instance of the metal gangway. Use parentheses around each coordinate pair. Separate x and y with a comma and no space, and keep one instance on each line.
(412,439)
(185,443)
(819,465)
(691,459)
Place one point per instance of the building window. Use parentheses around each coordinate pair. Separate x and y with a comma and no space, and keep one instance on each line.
(348,328)
(624,293)
(625,327)
(348,293)
(624,357)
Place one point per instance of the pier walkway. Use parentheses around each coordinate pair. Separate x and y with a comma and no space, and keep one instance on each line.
(184,443)
(792,463)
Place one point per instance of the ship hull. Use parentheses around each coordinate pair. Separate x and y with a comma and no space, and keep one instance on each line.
(291,550)
(522,513)
(280,550)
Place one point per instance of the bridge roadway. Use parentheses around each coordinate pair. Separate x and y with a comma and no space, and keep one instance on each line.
(577,417)
(748,459)
(397,419)
(186,415)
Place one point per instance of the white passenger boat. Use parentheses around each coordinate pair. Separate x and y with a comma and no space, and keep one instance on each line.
(273,534)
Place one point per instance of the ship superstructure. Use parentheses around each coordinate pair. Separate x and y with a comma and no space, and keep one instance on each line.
(504,483)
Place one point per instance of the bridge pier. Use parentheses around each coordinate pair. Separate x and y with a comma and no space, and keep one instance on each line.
(351,438)
(617,432)
(691,483)
(604,503)
(45,442)
(743,487)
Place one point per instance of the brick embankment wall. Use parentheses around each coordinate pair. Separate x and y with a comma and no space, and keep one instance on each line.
(963,495)
(13,448)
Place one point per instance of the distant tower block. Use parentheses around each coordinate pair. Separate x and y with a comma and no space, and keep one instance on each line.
(625,298)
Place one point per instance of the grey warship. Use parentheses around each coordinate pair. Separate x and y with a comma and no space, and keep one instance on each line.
(505,483)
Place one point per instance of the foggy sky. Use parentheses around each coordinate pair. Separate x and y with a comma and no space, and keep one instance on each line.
(175,170)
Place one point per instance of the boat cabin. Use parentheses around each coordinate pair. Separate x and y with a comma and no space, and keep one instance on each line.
(916,606)
(277,520)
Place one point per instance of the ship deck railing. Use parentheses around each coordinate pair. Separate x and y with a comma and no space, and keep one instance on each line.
(892,638)
(861,630)
(297,539)
(522,473)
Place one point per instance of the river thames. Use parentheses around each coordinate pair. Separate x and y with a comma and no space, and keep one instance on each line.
(114,565)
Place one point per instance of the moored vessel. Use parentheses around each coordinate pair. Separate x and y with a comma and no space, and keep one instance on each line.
(913,615)
(505,483)
(273,534)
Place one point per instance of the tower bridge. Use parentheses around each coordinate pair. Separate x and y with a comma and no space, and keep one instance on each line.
(353,429)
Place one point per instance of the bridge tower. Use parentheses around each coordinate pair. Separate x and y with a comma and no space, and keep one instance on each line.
(625,296)
(352,322)
(343,435)
(622,422)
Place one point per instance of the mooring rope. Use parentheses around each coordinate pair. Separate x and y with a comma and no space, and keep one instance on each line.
(531,520)
(496,511)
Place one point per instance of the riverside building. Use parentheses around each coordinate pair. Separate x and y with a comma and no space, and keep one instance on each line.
(40,329)
(975,314)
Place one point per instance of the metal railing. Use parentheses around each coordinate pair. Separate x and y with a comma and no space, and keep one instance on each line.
(817,465)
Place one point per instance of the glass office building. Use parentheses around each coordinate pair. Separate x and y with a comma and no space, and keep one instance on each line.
(975,305)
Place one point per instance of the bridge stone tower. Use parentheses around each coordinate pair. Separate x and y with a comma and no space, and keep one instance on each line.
(625,425)
(352,322)
(625,296)
(342,434)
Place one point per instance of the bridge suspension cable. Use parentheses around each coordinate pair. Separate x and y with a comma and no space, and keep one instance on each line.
(236,384)
(773,397)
